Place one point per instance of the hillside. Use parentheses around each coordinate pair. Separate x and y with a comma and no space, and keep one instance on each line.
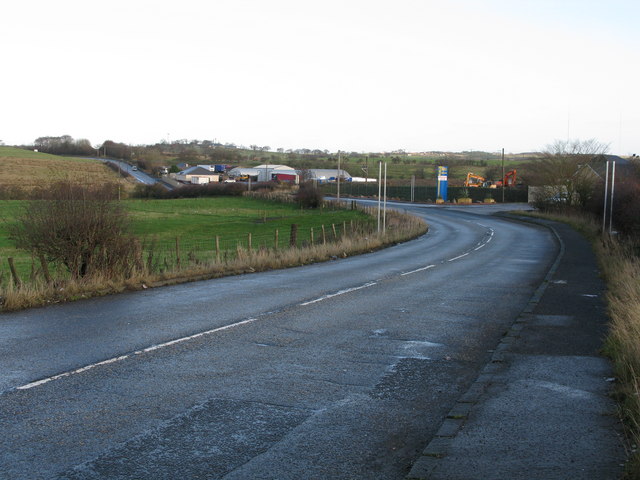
(23,170)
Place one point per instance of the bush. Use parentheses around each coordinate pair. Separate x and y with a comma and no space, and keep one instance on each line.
(309,196)
(82,227)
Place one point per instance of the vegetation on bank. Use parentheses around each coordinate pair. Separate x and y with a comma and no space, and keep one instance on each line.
(73,252)
(23,171)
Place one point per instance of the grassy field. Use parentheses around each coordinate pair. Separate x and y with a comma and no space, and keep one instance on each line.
(244,229)
(26,169)
(196,223)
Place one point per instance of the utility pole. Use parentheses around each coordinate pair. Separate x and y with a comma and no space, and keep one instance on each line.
(503,182)
(613,186)
(608,197)
(413,188)
(338,179)
(384,213)
(606,193)
(379,190)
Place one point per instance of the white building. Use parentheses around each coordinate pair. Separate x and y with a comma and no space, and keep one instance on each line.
(197,175)
(323,175)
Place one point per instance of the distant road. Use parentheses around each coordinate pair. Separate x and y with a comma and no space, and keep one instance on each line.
(139,175)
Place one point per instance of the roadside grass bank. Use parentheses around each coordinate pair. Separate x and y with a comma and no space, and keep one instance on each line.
(306,243)
(619,261)
(23,171)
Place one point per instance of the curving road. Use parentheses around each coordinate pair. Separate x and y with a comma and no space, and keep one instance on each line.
(335,370)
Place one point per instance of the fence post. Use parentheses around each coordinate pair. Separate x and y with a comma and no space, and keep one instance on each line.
(311,239)
(178,252)
(45,268)
(324,235)
(217,249)
(276,239)
(293,238)
(249,242)
(344,229)
(14,273)
(333,228)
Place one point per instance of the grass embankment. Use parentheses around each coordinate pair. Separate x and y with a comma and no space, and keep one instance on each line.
(24,170)
(194,239)
(619,261)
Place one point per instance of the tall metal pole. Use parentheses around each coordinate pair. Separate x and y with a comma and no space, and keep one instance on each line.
(366,169)
(379,190)
(413,188)
(503,180)
(384,213)
(613,186)
(338,176)
(606,192)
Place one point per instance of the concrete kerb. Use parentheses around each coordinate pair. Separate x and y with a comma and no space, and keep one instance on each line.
(441,443)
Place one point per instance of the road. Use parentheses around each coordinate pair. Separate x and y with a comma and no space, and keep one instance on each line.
(337,370)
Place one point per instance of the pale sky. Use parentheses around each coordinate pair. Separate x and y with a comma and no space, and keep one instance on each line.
(350,75)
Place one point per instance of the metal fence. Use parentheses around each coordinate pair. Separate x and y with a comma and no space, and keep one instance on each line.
(428,194)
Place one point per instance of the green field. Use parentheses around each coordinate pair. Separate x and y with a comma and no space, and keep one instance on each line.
(195,224)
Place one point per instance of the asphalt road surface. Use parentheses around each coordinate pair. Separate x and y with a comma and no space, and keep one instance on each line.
(341,370)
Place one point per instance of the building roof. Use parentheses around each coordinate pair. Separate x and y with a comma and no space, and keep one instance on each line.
(234,172)
(274,167)
(328,173)
(198,171)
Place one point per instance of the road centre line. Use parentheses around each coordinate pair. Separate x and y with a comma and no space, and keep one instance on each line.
(417,270)
(459,256)
(138,352)
(341,292)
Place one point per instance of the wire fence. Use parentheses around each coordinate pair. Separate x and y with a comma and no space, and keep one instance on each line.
(178,253)
(158,256)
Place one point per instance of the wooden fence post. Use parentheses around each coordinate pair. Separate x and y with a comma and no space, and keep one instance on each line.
(249,242)
(276,239)
(311,239)
(178,252)
(217,249)
(324,235)
(333,228)
(293,237)
(14,273)
(344,229)
(45,268)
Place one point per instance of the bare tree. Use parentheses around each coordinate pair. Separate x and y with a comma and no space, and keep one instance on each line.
(83,228)
(569,171)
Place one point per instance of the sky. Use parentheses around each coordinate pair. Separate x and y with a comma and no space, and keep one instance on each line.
(350,75)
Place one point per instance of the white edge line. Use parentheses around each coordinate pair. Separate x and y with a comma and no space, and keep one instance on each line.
(124,357)
(341,292)
(417,270)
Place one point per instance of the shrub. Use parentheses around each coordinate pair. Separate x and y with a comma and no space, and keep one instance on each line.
(82,227)
(309,196)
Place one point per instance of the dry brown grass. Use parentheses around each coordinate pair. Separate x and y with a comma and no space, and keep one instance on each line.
(621,268)
(400,227)
(619,262)
(37,170)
